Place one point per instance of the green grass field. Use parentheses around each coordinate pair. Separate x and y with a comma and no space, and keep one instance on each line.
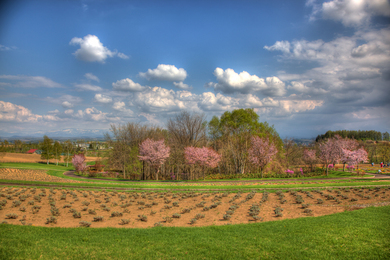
(360,234)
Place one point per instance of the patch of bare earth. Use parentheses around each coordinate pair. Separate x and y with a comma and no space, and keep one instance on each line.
(32,158)
(31,175)
(35,206)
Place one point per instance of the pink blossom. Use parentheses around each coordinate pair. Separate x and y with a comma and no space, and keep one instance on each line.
(78,161)
(261,152)
(204,156)
(153,152)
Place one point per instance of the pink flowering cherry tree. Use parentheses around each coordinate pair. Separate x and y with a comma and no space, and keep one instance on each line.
(78,162)
(261,152)
(205,157)
(154,153)
(355,157)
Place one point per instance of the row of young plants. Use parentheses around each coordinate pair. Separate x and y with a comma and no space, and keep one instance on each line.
(148,201)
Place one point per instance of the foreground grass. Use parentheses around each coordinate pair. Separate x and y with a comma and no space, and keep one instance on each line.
(361,234)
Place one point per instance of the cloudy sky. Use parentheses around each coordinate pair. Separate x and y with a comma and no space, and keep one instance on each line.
(304,66)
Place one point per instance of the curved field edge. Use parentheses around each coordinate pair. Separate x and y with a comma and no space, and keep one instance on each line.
(232,188)
(359,234)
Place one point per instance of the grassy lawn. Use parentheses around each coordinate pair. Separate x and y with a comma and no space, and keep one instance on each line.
(361,234)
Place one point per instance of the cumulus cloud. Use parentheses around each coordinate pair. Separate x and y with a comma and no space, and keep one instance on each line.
(103,98)
(93,114)
(90,76)
(16,113)
(165,72)
(87,87)
(91,49)
(67,104)
(127,85)
(181,85)
(121,107)
(10,112)
(230,82)
(158,99)
(350,12)
(211,102)
(31,81)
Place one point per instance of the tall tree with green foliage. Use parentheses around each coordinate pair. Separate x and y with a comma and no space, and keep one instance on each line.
(57,150)
(68,149)
(233,132)
(47,149)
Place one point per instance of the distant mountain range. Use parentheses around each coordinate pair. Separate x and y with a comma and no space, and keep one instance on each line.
(71,134)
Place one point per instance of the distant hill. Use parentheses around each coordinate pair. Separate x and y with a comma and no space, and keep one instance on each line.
(357,135)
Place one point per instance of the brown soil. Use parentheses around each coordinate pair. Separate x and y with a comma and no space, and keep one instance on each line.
(129,206)
(32,158)
(31,175)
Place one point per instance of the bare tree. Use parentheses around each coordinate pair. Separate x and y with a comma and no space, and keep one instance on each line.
(188,129)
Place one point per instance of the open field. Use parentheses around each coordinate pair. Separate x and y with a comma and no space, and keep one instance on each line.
(269,222)
(69,207)
(358,234)
(31,158)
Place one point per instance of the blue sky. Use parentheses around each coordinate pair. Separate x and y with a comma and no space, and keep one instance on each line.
(75,67)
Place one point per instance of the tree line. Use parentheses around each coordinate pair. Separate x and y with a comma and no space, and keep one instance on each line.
(357,135)
(193,145)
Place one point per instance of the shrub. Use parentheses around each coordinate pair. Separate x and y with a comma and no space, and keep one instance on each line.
(85,223)
(98,218)
(176,215)
(199,216)
(12,216)
(143,218)
(116,214)
(124,221)
(226,217)
(77,214)
(51,220)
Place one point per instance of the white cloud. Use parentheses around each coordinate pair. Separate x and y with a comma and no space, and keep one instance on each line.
(229,82)
(88,87)
(31,81)
(127,85)
(14,113)
(158,99)
(93,114)
(283,46)
(6,48)
(119,105)
(67,104)
(165,72)
(211,102)
(350,12)
(91,49)
(90,76)
(181,85)
(103,98)
(69,111)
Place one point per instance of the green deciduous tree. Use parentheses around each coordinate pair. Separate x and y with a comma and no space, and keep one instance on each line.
(47,149)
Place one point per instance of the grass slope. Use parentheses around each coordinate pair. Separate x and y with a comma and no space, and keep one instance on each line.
(361,234)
